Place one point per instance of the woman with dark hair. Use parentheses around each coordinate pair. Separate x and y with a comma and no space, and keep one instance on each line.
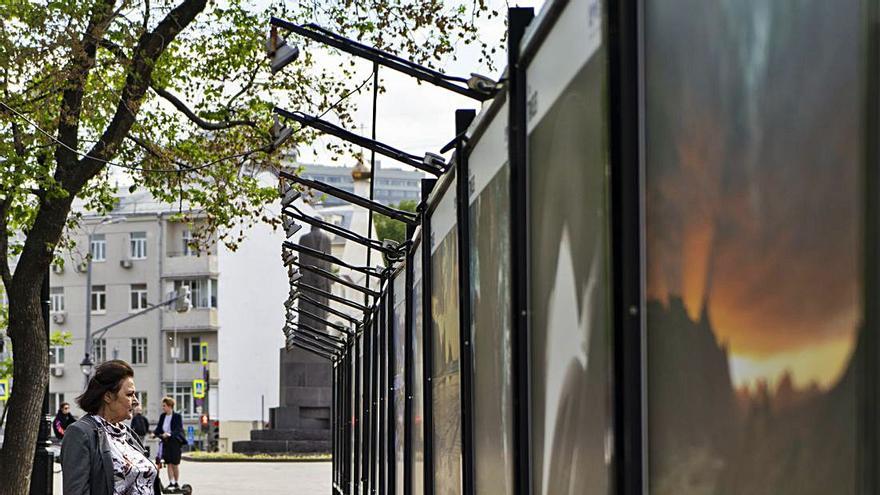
(101,455)
(62,420)
(170,431)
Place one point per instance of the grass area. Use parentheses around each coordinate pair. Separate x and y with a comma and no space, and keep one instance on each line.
(235,457)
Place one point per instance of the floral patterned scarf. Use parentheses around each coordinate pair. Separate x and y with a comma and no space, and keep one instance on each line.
(133,472)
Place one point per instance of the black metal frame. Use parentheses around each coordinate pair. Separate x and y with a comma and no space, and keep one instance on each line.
(624,68)
(296,214)
(409,378)
(403,216)
(327,37)
(869,386)
(326,127)
(427,342)
(339,280)
(332,259)
(518,19)
(463,119)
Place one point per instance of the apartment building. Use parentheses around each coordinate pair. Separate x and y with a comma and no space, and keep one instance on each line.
(140,254)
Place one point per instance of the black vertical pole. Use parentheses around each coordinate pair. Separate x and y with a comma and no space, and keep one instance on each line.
(463,119)
(366,425)
(41,473)
(409,376)
(357,418)
(427,340)
(391,362)
(383,391)
(518,19)
(625,126)
(868,432)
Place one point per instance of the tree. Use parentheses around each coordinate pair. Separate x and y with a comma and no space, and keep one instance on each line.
(173,96)
(388,228)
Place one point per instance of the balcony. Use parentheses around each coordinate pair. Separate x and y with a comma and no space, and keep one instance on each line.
(180,265)
(194,319)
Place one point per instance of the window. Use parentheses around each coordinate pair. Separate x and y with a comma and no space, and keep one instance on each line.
(55,401)
(138,245)
(203,291)
(99,299)
(99,350)
(184,402)
(99,247)
(138,297)
(193,345)
(139,350)
(188,249)
(56,299)
(142,398)
(56,356)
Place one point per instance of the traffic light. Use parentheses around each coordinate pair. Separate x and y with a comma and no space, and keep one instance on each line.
(203,422)
(215,436)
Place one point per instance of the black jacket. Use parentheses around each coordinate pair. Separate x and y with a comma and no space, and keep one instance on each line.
(176,428)
(86,461)
(140,424)
(61,422)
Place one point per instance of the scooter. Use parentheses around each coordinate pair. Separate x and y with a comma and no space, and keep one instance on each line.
(185,489)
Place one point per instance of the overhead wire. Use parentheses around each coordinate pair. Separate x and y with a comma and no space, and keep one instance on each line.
(184,167)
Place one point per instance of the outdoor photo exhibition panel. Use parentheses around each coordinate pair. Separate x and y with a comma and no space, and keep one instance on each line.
(569,259)
(398,348)
(446,345)
(417,444)
(753,209)
(489,245)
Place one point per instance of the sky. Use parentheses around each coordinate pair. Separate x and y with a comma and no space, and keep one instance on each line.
(417,117)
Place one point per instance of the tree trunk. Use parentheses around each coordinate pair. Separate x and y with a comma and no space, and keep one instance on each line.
(30,345)
(27,331)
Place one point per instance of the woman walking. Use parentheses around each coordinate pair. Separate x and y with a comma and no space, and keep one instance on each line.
(63,419)
(101,455)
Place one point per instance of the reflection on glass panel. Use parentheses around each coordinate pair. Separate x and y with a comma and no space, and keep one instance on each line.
(490,320)
(418,397)
(570,379)
(446,376)
(399,380)
(754,139)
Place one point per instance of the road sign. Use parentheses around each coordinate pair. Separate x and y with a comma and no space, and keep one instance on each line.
(203,350)
(191,434)
(4,389)
(199,389)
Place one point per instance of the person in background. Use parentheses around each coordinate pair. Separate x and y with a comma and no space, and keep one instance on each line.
(100,454)
(140,424)
(62,420)
(170,431)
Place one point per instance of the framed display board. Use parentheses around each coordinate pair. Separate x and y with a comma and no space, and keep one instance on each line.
(490,293)
(569,257)
(754,129)
(446,345)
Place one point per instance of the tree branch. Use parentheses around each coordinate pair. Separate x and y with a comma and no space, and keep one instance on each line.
(5,273)
(148,50)
(81,63)
(115,49)
(204,124)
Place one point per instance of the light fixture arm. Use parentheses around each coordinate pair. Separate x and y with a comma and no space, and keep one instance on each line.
(479,92)
(430,163)
(297,214)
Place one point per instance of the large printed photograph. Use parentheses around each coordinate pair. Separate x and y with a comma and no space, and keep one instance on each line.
(446,376)
(569,292)
(417,443)
(754,152)
(491,326)
(398,346)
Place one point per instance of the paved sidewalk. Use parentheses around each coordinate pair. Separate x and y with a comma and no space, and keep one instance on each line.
(263,478)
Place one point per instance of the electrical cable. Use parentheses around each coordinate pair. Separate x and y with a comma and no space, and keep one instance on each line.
(183,166)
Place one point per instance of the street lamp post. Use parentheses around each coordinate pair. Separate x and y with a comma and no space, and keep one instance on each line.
(88,361)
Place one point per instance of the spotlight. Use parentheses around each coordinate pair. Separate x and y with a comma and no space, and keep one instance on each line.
(279,51)
(291,194)
(290,227)
(482,84)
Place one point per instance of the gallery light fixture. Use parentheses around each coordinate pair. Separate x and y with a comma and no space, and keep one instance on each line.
(476,86)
